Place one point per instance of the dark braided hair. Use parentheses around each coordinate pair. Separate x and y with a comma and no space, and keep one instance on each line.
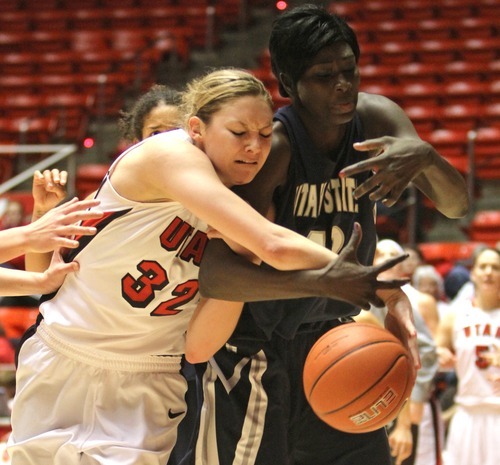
(131,122)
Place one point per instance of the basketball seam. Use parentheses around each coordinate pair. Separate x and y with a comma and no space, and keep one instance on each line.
(341,358)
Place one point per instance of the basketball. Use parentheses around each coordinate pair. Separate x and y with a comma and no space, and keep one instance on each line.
(357,377)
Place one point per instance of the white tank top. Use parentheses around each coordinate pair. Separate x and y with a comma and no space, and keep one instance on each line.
(137,285)
(475,331)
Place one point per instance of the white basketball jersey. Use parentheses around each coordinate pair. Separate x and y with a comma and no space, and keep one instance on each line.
(138,280)
(476,331)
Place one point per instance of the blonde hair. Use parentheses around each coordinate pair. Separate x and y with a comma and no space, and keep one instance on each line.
(206,95)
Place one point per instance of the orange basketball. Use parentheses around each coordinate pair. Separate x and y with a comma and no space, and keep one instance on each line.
(357,377)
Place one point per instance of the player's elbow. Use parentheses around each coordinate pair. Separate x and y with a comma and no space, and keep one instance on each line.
(277,252)
(460,209)
(197,354)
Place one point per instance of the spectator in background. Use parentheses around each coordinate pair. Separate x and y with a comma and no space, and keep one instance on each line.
(414,260)
(470,329)
(427,279)
(13,215)
(416,435)
(7,351)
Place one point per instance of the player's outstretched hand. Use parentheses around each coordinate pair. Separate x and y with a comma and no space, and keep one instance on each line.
(399,321)
(395,163)
(347,280)
(48,190)
(54,275)
(58,226)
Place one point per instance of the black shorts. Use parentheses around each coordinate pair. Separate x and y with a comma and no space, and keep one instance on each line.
(255,411)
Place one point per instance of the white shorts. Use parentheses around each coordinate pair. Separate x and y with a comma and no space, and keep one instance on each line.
(75,408)
(473,437)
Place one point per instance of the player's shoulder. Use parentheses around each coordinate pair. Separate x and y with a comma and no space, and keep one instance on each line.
(380,115)
(373,104)
(281,145)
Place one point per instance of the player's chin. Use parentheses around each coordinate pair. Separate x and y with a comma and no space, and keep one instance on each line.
(245,175)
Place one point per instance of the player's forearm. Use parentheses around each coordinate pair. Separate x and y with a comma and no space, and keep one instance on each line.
(18,282)
(38,262)
(226,276)
(210,327)
(13,243)
(446,187)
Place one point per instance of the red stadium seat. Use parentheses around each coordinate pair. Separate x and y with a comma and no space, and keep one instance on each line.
(391,91)
(14,21)
(436,253)
(58,62)
(377,74)
(394,53)
(117,3)
(125,17)
(50,20)
(89,40)
(416,10)
(465,92)
(476,27)
(7,163)
(418,73)
(480,49)
(455,9)
(18,105)
(352,11)
(9,5)
(39,130)
(16,320)
(18,83)
(64,83)
(80,4)
(421,94)
(461,116)
(451,144)
(72,112)
(424,117)
(488,9)
(435,29)
(464,70)
(89,177)
(491,114)
(84,19)
(379,11)
(485,227)
(488,139)
(392,31)
(132,39)
(438,51)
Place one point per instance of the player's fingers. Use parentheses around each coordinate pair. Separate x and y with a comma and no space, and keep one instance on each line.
(74,205)
(66,268)
(47,174)
(382,192)
(71,230)
(350,250)
(63,178)
(55,175)
(392,283)
(359,167)
(391,262)
(66,242)
(83,215)
(376,301)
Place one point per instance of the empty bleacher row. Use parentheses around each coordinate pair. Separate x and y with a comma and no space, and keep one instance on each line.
(93,51)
